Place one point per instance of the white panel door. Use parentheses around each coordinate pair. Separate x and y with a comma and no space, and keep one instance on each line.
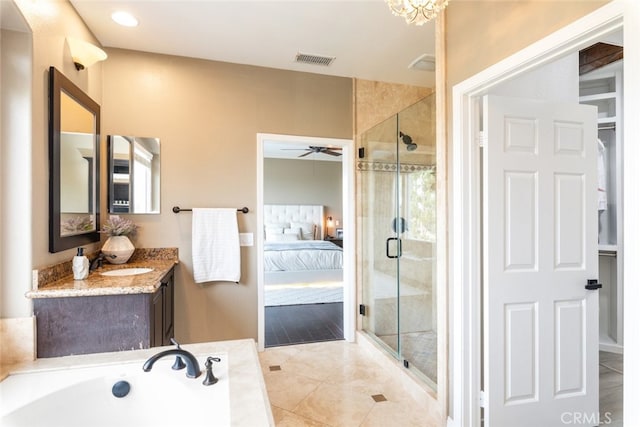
(540,248)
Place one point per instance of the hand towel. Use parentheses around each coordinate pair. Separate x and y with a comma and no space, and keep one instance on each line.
(215,245)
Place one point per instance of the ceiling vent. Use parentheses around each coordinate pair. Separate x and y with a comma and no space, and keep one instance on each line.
(307,58)
(424,62)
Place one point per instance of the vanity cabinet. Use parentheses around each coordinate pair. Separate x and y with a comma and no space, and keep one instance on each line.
(162,312)
(105,323)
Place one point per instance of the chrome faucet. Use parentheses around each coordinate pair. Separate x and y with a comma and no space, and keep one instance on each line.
(193,368)
(97,262)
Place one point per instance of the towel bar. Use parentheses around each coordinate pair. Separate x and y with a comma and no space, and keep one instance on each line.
(178,209)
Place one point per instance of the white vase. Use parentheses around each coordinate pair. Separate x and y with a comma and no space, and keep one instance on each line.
(120,246)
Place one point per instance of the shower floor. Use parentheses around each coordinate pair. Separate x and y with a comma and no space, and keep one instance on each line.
(419,348)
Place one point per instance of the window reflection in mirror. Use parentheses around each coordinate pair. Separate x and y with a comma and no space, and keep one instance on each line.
(77,165)
(134,174)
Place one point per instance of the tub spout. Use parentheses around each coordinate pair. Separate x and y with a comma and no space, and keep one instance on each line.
(193,368)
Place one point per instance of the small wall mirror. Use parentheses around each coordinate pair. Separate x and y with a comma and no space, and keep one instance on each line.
(134,174)
(74,138)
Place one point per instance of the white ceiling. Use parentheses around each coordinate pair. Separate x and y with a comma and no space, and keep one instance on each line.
(366,39)
(10,18)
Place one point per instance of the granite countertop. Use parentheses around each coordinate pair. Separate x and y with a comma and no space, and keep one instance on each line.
(97,284)
(247,391)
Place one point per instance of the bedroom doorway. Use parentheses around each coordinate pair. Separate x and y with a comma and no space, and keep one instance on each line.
(305,256)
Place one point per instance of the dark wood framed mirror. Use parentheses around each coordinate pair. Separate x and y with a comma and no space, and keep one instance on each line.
(74,165)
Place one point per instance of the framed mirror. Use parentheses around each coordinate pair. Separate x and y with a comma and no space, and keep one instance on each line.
(74,165)
(134,174)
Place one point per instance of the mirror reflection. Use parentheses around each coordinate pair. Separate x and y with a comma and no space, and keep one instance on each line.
(77,163)
(74,137)
(134,174)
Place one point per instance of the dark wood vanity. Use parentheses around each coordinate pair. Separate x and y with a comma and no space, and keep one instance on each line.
(104,314)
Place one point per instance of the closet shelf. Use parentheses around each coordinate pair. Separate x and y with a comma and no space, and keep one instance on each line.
(607,120)
(598,97)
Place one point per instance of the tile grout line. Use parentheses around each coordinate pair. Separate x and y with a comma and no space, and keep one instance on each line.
(611,369)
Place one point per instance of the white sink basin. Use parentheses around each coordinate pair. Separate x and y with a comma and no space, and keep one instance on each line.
(127,271)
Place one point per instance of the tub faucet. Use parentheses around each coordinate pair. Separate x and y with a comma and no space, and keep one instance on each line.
(193,368)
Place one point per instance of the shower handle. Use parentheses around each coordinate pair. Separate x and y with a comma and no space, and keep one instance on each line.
(399,248)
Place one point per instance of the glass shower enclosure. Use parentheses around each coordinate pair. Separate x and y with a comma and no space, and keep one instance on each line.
(396,180)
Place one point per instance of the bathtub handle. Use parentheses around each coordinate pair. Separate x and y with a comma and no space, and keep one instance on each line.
(209,378)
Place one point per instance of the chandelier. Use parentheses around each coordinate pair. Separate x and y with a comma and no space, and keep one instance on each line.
(417,11)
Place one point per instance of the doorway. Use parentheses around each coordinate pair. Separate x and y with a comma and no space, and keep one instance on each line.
(306,281)
(467,268)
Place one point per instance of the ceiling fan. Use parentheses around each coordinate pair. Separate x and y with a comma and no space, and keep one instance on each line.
(331,151)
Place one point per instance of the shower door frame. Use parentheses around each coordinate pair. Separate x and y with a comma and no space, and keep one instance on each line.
(398,210)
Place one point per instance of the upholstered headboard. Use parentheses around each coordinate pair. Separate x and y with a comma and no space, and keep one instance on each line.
(279,214)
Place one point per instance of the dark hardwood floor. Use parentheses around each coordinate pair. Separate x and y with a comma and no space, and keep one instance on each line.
(298,324)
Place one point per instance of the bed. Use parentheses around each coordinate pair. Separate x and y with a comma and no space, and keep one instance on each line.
(294,245)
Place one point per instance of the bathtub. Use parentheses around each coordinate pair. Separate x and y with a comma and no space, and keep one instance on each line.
(84,396)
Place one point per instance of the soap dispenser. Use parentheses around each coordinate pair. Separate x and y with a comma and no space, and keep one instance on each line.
(80,265)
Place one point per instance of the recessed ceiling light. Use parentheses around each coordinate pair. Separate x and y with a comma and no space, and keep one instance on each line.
(125,19)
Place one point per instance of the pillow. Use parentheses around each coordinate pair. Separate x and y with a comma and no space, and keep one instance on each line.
(308,229)
(277,224)
(288,238)
(294,232)
(281,238)
(269,231)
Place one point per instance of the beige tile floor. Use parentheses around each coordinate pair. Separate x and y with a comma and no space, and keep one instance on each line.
(611,380)
(337,384)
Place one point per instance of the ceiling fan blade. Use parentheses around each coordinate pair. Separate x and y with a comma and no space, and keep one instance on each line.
(305,154)
(332,153)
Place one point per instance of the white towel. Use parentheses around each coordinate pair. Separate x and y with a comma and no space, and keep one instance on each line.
(215,245)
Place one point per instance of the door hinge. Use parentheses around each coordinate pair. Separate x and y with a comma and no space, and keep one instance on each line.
(482,399)
(363,310)
(480,139)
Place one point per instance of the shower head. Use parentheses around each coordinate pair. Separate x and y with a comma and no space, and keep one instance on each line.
(408,142)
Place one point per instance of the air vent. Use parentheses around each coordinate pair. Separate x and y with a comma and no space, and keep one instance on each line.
(307,58)
(424,62)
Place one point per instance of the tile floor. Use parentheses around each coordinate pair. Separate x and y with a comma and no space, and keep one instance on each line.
(339,384)
(611,376)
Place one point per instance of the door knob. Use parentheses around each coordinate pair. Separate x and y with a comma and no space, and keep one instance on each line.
(592,285)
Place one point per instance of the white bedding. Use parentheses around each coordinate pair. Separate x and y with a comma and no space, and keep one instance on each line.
(302,255)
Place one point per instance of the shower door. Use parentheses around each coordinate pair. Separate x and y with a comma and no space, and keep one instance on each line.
(397,197)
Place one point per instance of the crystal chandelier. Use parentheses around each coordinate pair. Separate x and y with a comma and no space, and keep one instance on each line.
(417,11)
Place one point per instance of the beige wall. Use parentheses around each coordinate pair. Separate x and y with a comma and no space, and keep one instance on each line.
(304,182)
(50,22)
(481,33)
(207,115)
(15,165)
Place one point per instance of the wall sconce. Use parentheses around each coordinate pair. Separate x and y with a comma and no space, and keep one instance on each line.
(84,54)
(329,226)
